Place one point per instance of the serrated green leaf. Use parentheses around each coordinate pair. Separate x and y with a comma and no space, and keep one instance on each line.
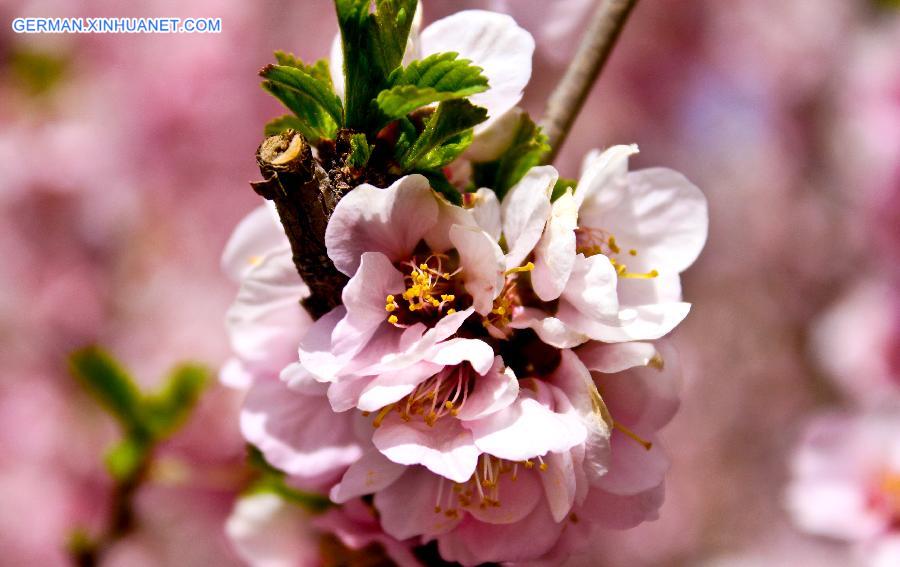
(169,408)
(373,46)
(311,99)
(451,119)
(525,152)
(287,122)
(125,458)
(109,383)
(360,151)
(320,69)
(448,151)
(436,78)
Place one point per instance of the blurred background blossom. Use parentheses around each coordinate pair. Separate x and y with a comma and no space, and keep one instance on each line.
(124,162)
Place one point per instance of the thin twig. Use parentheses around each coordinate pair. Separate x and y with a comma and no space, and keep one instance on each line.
(566,101)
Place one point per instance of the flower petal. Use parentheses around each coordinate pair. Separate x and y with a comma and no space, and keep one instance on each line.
(633,469)
(298,434)
(591,289)
(445,448)
(493,42)
(525,210)
(265,530)
(617,512)
(371,473)
(266,322)
(482,263)
(527,428)
(554,256)
(456,351)
(486,212)
(255,236)
(391,221)
(493,391)
(364,298)
(616,357)
(392,386)
(407,507)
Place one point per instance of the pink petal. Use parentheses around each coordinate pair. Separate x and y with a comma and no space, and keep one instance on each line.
(298,434)
(616,512)
(475,542)
(634,469)
(364,298)
(526,429)
(493,391)
(393,386)
(371,473)
(616,357)
(258,234)
(391,221)
(482,263)
(517,498)
(407,507)
(445,449)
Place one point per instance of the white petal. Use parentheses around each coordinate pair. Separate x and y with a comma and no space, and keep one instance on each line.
(486,212)
(657,212)
(445,448)
(550,329)
(616,357)
(266,321)
(525,210)
(526,429)
(438,236)
(600,171)
(493,42)
(591,290)
(266,531)
(456,351)
(642,323)
(559,484)
(393,386)
(554,256)
(482,264)
(258,234)
(492,142)
(391,221)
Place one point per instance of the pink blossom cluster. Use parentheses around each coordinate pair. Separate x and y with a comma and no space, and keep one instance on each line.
(493,380)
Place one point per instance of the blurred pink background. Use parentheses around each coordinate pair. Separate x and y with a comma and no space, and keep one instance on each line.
(124,167)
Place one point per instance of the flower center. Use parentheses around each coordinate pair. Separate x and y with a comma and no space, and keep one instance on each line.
(428,287)
(591,241)
(505,303)
(443,394)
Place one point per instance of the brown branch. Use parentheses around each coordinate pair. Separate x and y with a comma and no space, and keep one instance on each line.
(305,197)
(567,99)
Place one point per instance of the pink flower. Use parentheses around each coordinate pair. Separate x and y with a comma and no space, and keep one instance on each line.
(546,467)
(846,483)
(612,251)
(296,430)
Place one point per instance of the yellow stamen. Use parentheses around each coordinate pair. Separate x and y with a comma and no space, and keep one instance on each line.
(634,436)
(657,362)
(526,268)
(381,415)
(393,319)
(612,245)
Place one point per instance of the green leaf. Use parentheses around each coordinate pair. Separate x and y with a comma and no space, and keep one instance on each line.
(125,458)
(110,384)
(360,151)
(272,480)
(169,408)
(525,152)
(311,99)
(436,78)
(373,46)
(287,122)
(562,184)
(439,183)
(451,119)
(448,151)
(320,70)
